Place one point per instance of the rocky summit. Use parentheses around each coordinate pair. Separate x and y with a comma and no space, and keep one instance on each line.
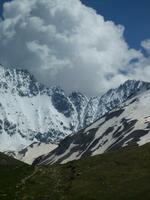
(31,113)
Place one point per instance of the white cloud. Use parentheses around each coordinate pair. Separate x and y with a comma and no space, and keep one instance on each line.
(141,68)
(63,42)
(146,44)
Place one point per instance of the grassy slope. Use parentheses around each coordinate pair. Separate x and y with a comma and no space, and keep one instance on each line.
(11,172)
(120,175)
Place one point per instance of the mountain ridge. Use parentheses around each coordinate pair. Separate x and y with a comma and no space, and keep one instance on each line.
(33,113)
(126,125)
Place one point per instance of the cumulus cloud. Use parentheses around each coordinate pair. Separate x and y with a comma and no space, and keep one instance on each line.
(146,44)
(63,42)
(141,68)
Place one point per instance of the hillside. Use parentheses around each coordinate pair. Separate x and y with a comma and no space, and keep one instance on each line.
(127,125)
(31,112)
(122,174)
(12,172)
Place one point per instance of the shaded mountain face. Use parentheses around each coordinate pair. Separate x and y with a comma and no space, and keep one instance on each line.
(30,112)
(129,124)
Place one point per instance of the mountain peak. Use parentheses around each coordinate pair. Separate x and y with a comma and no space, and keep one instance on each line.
(31,112)
(127,125)
(100,105)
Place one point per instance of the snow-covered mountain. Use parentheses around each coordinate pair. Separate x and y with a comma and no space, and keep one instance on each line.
(98,106)
(31,152)
(129,124)
(33,113)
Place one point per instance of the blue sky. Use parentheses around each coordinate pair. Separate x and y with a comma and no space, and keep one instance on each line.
(65,43)
(133,14)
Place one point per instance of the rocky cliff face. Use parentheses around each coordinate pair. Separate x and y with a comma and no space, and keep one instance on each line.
(30,112)
(128,124)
